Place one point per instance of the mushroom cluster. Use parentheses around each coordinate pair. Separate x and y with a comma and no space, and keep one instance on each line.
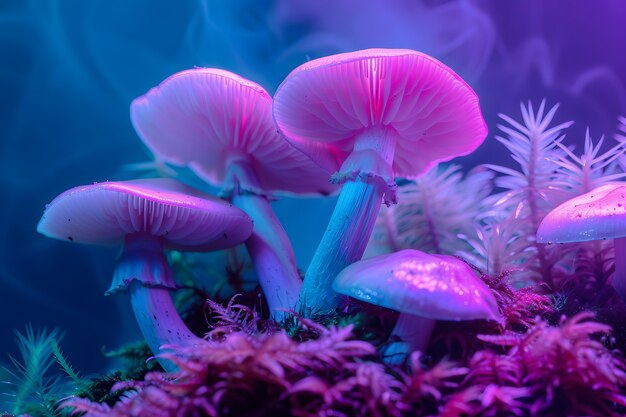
(355,121)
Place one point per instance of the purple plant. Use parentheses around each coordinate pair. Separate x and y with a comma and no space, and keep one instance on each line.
(520,307)
(428,388)
(546,371)
(237,373)
(564,369)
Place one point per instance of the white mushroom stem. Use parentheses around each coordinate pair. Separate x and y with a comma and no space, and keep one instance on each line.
(269,247)
(143,270)
(412,333)
(619,276)
(368,177)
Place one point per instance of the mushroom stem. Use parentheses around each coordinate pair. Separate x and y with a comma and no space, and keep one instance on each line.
(343,243)
(367,172)
(619,276)
(143,270)
(413,333)
(272,255)
(268,246)
(158,320)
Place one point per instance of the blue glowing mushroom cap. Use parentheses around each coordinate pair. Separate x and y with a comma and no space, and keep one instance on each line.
(182,217)
(438,287)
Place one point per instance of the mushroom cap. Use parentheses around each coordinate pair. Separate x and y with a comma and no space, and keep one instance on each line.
(438,287)
(323,105)
(105,213)
(207,118)
(598,214)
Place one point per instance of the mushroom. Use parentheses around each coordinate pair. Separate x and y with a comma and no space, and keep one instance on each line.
(146,216)
(368,117)
(423,288)
(219,125)
(599,214)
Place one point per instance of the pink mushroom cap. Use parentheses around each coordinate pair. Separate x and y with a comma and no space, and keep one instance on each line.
(323,105)
(598,214)
(185,219)
(438,287)
(208,119)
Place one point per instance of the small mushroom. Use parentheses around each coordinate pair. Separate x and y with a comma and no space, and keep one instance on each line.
(220,125)
(368,117)
(599,214)
(145,217)
(423,288)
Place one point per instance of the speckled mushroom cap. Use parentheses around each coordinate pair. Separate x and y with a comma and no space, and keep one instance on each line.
(208,118)
(438,287)
(324,104)
(598,214)
(185,219)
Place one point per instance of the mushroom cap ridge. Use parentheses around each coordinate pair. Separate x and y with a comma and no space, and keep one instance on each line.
(323,105)
(184,218)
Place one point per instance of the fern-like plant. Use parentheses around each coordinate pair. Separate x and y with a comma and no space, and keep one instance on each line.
(432,211)
(32,387)
(529,191)
(565,369)
(579,174)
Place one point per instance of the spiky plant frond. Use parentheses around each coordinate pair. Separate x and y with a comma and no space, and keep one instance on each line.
(432,211)
(585,285)
(533,145)
(81,384)
(32,389)
(500,246)
(564,368)
(582,173)
(549,172)
(232,318)
(529,191)
(237,375)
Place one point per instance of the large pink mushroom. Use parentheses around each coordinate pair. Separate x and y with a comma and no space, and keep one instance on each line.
(220,125)
(423,288)
(368,117)
(146,217)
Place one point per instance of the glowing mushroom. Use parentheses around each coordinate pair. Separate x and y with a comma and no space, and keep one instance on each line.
(146,217)
(367,117)
(220,125)
(423,288)
(599,214)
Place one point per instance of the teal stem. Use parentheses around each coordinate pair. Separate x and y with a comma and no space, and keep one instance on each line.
(412,333)
(269,247)
(368,177)
(342,244)
(143,271)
